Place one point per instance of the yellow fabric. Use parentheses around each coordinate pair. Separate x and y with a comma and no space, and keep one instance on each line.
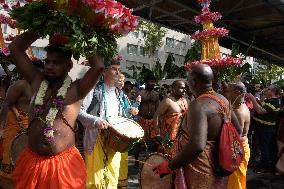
(237,180)
(272,107)
(264,122)
(123,170)
(10,132)
(100,176)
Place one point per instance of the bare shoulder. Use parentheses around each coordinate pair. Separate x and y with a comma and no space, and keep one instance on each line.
(19,85)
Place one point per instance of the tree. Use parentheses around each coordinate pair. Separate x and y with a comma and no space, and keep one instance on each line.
(158,70)
(154,36)
(266,73)
(194,53)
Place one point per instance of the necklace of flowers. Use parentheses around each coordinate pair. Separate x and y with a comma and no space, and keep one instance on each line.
(57,104)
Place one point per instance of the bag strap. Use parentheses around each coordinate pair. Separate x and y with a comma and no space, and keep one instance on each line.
(226,111)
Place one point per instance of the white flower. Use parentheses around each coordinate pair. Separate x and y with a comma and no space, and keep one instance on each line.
(53,110)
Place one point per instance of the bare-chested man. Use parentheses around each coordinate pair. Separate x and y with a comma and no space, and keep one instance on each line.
(51,159)
(170,113)
(203,125)
(13,116)
(149,104)
(235,93)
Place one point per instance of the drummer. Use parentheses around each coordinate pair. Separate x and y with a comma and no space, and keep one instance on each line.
(128,112)
(102,162)
(14,109)
(51,139)
(170,112)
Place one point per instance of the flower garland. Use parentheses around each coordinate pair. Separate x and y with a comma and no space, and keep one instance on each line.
(7,20)
(5,58)
(227,61)
(214,32)
(207,17)
(57,104)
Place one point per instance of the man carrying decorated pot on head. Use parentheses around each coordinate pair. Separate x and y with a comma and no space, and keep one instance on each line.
(51,159)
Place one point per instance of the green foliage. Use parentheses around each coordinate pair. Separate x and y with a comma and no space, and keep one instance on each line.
(154,36)
(83,40)
(158,70)
(171,70)
(266,73)
(194,53)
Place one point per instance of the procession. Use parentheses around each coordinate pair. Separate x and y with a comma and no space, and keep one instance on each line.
(201,119)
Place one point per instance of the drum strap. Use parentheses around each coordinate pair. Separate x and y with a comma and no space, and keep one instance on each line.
(66,122)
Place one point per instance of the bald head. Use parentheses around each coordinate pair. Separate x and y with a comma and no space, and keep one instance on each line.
(178,87)
(238,87)
(202,73)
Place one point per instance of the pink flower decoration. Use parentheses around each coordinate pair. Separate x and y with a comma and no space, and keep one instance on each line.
(214,32)
(208,17)
(224,62)
(6,51)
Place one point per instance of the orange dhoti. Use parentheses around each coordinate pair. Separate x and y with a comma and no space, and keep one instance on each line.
(148,127)
(62,171)
(169,127)
(10,132)
(237,180)
(200,173)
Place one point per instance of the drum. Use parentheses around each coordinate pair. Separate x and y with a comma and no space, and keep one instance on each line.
(150,180)
(123,134)
(19,143)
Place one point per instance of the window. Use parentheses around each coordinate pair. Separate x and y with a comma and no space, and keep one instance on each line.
(142,51)
(142,34)
(170,42)
(180,44)
(132,49)
(133,34)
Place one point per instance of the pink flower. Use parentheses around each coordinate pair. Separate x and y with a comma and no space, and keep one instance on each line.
(6,51)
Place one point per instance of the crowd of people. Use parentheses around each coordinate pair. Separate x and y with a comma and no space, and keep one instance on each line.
(184,120)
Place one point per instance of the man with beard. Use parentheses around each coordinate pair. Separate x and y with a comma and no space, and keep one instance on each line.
(204,123)
(102,161)
(170,113)
(235,93)
(51,159)
(13,116)
(149,104)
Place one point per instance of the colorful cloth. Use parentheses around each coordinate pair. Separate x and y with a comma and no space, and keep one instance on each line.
(200,173)
(123,170)
(237,180)
(10,132)
(102,166)
(147,125)
(62,171)
(170,125)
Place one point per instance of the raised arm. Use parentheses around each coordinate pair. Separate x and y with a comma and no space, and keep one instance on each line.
(92,76)
(198,127)
(18,49)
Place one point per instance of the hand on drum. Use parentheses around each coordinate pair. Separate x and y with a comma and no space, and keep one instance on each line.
(134,111)
(102,124)
(163,169)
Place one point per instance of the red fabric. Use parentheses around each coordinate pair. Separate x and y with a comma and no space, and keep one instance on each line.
(249,103)
(231,150)
(163,169)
